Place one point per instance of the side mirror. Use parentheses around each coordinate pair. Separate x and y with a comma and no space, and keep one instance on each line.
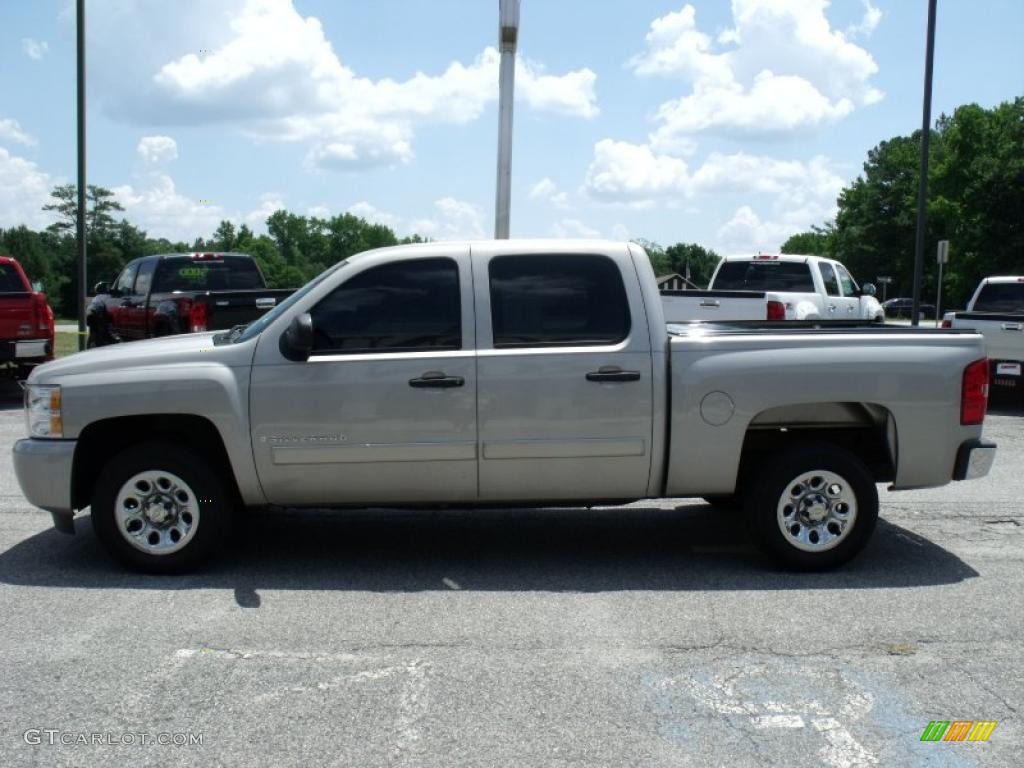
(297,341)
(868,289)
(101,288)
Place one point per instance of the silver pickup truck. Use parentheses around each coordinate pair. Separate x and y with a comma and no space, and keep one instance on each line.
(513,372)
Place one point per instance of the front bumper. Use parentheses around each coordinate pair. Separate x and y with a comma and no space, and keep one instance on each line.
(43,469)
(974,459)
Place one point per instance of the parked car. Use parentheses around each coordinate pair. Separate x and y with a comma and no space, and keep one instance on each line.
(511,372)
(996,310)
(179,293)
(26,321)
(903,309)
(766,286)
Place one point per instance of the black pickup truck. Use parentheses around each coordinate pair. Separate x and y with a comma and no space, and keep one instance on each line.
(179,293)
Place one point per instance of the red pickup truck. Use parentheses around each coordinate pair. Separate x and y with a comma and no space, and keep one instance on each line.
(26,321)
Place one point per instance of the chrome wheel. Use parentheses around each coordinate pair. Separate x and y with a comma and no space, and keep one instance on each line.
(817,510)
(156,512)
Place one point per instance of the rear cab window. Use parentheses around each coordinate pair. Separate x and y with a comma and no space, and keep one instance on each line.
(227,273)
(781,276)
(828,277)
(1000,297)
(10,280)
(557,300)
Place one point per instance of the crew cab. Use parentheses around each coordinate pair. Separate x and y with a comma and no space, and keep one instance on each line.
(996,310)
(513,372)
(174,293)
(26,321)
(777,287)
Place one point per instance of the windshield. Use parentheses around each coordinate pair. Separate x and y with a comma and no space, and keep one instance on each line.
(764,276)
(256,327)
(1001,297)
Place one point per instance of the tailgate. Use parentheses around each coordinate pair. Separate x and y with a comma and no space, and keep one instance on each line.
(713,306)
(1004,334)
(226,309)
(16,315)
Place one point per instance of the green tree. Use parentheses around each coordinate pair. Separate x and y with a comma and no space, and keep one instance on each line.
(695,262)
(100,202)
(820,241)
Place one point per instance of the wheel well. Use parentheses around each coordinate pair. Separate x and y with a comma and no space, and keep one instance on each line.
(864,429)
(101,440)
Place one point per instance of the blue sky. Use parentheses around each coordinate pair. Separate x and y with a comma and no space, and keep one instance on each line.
(727,124)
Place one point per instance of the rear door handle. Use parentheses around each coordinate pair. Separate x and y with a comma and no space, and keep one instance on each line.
(436,380)
(613,375)
(1013,326)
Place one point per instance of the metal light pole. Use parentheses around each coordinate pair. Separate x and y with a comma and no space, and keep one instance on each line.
(80,234)
(922,188)
(508,34)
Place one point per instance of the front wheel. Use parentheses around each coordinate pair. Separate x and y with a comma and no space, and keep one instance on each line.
(813,507)
(160,508)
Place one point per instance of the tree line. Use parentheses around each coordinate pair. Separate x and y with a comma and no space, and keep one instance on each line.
(975,200)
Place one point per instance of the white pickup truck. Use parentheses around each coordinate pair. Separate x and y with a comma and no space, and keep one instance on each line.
(516,372)
(772,287)
(996,310)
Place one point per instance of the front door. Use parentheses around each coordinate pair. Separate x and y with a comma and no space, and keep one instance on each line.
(384,410)
(565,386)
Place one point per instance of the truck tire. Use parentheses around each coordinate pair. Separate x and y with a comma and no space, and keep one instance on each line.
(813,507)
(160,508)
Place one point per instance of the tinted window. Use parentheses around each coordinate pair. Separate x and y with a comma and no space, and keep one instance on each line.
(849,286)
(10,280)
(230,273)
(764,276)
(828,277)
(541,301)
(127,278)
(1001,297)
(406,306)
(145,277)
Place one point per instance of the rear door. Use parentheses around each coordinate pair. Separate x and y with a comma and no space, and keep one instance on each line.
(384,410)
(565,376)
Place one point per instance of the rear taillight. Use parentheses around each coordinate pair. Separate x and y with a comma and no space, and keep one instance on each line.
(197,317)
(43,313)
(974,396)
(947,323)
(776,310)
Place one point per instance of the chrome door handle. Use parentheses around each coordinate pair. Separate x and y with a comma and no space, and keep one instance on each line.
(710,303)
(832,308)
(436,380)
(1013,326)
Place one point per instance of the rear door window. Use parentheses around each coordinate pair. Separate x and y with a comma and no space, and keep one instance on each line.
(1000,297)
(405,306)
(230,273)
(557,300)
(782,276)
(828,277)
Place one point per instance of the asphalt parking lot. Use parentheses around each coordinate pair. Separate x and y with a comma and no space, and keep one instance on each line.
(644,635)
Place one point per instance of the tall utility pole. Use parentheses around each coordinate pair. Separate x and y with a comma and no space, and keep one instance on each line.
(922,187)
(508,34)
(81,173)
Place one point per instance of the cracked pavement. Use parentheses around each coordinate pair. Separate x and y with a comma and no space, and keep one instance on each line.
(647,635)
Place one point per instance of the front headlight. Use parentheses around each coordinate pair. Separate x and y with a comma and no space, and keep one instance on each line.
(42,410)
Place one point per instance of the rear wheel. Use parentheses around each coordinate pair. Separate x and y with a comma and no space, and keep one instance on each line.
(813,507)
(160,508)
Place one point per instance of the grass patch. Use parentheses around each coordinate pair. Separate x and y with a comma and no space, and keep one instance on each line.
(65,343)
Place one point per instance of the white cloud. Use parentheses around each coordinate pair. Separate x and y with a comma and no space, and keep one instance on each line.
(24,190)
(270,203)
(452,220)
(10,130)
(319,211)
(547,191)
(375,215)
(780,68)
(574,228)
(746,232)
(632,173)
(156,206)
(157,150)
(274,74)
(868,23)
(34,49)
